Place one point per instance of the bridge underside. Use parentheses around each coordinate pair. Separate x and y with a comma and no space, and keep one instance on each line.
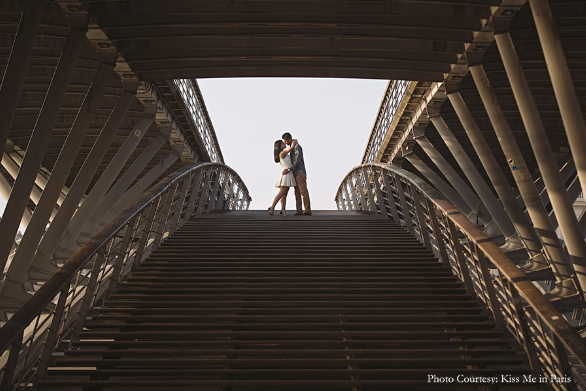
(415,40)
(568,18)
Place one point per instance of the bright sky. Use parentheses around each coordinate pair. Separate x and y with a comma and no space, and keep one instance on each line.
(331,118)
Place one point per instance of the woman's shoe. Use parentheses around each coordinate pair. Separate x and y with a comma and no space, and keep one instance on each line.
(270,211)
(281,213)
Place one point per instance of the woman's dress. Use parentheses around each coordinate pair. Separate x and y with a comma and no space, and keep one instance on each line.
(287,179)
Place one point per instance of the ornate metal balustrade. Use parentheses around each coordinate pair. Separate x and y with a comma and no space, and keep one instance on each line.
(553,346)
(54,316)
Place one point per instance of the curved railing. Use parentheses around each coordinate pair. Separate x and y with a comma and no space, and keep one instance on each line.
(54,316)
(553,346)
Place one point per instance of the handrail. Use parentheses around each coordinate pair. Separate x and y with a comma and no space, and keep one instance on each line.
(514,300)
(193,189)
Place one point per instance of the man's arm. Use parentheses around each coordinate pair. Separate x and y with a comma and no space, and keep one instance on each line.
(296,154)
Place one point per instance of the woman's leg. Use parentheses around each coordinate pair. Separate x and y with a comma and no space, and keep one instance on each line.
(284,200)
(278,197)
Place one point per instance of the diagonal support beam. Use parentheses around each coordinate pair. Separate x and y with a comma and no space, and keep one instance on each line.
(82,180)
(546,161)
(15,72)
(41,134)
(541,222)
(12,285)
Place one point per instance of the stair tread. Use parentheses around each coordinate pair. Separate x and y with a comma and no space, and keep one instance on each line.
(221,304)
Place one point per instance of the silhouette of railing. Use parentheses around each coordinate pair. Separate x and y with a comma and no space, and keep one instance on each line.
(54,316)
(516,304)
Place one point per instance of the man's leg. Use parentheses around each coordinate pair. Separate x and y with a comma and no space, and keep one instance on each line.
(298,199)
(301,179)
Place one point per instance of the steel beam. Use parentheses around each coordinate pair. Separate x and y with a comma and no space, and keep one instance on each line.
(563,86)
(16,68)
(546,160)
(23,185)
(541,222)
(452,195)
(139,187)
(484,192)
(124,183)
(51,239)
(12,285)
(85,211)
(497,177)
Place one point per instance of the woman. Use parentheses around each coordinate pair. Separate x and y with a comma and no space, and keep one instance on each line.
(285,181)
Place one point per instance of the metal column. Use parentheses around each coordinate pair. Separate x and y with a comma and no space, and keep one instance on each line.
(125,181)
(85,211)
(546,161)
(563,86)
(16,68)
(499,181)
(144,182)
(12,285)
(541,222)
(40,138)
(448,191)
(51,239)
(484,192)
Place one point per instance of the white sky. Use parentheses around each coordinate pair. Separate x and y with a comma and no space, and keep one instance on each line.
(331,118)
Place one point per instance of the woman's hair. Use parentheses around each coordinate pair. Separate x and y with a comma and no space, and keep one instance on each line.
(277,150)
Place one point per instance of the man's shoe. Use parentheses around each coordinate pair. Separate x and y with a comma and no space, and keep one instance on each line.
(297,214)
(307,213)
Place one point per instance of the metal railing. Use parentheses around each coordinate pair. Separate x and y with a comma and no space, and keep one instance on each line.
(554,348)
(189,91)
(54,316)
(390,104)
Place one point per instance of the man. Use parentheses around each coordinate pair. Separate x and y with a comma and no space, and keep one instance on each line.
(300,175)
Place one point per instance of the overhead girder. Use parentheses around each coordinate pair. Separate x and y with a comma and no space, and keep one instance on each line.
(388,39)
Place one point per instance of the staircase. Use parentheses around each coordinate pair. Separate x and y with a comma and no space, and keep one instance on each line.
(246,301)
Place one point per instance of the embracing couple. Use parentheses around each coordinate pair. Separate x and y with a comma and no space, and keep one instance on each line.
(293,175)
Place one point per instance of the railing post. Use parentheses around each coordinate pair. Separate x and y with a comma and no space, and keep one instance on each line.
(404,207)
(521,327)
(193,196)
(220,203)
(164,214)
(360,189)
(204,192)
(214,193)
(230,193)
(353,185)
(122,253)
(390,197)
(344,197)
(420,217)
(349,203)
(379,194)
(146,233)
(87,297)
(493,303)
(52,334)
(10,366)
(372,206)
(460,259)
(179,206)
(437,234)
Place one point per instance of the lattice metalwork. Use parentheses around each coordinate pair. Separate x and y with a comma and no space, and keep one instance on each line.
(391,101)
(555,351)
(54,316)
(188,90)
